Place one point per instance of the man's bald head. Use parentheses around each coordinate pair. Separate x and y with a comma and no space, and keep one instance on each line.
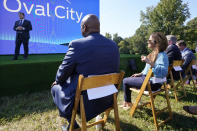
(90,24)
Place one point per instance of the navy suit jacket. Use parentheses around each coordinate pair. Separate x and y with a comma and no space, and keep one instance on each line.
(25,33)
(173,53)
(187,56)
(92,55)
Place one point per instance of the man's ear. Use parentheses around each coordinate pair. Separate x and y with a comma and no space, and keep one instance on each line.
(85,28)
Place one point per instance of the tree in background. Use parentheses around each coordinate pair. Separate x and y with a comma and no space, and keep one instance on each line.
(117,38)
(167,17)
(123,47)
(138,42)
(108,35)
(190,33)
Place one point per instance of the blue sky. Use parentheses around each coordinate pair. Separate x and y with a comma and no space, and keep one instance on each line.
(123,16)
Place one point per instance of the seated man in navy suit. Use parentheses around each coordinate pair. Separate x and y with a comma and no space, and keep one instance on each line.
(173,53)
(187,56)
(92,55)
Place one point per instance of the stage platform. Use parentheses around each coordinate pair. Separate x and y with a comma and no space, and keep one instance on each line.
(38,72)
(33,58)
(33,74)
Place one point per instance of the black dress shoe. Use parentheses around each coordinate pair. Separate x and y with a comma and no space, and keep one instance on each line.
(186,108)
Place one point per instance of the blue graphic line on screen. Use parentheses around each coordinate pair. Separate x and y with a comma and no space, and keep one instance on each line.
(6,36)
(40,10)
(68,1)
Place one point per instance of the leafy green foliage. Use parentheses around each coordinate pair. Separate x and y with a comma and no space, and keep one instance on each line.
(190,33)
(108,35)
(117,38)
(168,17)
(123,47)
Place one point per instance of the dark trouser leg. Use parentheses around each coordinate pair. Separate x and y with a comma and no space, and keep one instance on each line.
(130,82)
(62,100)
(68,118)
(17,47)
(26,48)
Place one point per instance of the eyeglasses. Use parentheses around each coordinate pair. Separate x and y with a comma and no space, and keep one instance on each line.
(150,41)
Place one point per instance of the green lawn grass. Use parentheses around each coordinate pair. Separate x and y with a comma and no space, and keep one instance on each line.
(36,112)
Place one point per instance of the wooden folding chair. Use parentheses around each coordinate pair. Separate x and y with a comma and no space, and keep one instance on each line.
(152,96)
(180,83)
(94,82)
(189,74)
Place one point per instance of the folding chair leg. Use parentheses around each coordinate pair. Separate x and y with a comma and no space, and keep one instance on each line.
(173,86)
(192,79)
(74,113)
(134,106)
(106,116)
(153,108)
(175,94)
(116,116)
(168,101)
(182,84)
(83,116)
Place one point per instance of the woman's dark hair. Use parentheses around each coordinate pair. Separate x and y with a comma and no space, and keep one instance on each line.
(161,44)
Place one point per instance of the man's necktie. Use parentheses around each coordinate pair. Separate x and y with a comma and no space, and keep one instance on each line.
(20,23)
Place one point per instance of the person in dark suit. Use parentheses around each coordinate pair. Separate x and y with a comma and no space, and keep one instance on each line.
(92,55)
(187,56)
(22,28)
(172,50)
(173,53)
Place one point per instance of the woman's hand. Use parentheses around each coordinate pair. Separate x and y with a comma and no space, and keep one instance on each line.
(54,83)
(145,59)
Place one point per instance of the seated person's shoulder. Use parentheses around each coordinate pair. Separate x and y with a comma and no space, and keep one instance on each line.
(77,42)
(162,55)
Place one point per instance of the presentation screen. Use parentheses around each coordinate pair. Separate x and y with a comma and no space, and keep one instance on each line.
(54,23)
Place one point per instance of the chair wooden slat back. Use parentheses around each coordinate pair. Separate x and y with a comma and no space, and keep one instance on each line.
(177,63)
(172,84)
(94,82)
(193,62)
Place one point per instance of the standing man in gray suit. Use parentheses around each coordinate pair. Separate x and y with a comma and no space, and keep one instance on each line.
(92,55)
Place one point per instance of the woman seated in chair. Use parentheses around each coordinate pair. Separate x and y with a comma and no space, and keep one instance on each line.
(157,60)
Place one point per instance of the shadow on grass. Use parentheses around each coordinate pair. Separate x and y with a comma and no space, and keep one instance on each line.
(178,121)
(190,95)
(16,107)
(124,126)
